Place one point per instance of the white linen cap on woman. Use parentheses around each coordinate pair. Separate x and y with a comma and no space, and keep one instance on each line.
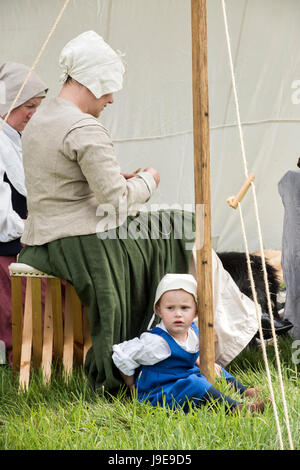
(93,63)
(12,77)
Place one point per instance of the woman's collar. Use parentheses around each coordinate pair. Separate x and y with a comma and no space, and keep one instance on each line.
(10,132)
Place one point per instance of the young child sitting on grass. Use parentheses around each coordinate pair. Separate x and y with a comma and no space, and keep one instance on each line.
(163,364)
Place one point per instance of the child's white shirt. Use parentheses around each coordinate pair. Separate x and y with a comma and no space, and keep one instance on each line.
(148,349)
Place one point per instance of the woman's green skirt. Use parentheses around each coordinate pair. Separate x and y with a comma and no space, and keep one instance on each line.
(115,275)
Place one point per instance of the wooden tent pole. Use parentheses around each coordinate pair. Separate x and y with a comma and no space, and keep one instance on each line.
(202,188)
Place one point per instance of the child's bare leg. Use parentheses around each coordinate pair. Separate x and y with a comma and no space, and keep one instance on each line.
(252,392)
(256,407)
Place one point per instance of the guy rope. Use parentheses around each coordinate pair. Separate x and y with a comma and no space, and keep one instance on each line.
(235,202)
(35,62)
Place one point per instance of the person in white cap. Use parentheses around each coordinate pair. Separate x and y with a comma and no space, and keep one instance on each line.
(71,153)
(73,181)
(13,208)
(76,230)
(163,364)
(12,181)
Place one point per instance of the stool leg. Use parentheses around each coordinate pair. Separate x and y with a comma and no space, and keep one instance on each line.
(68,335)
(58,339)
(37,333)
(26,338)
(77,327)
(86,334)
(48,335)
(17,320)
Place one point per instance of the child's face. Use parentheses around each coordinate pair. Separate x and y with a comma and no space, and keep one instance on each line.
(177,309)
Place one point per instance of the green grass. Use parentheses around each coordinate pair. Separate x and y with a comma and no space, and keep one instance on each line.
(74,417)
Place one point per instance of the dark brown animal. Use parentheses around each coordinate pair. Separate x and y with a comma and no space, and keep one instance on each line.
(236,264)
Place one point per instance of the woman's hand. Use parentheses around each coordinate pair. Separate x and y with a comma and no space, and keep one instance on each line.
(218,369)
(150,170)
(154,173)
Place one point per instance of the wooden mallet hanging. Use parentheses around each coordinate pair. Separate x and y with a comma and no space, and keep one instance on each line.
(234,201)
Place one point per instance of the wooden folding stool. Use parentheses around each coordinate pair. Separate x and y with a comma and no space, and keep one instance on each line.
(39,335)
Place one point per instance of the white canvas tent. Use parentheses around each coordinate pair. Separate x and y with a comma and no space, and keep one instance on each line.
(151,121)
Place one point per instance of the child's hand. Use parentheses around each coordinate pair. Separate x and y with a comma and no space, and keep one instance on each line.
(218,370)
(129,380)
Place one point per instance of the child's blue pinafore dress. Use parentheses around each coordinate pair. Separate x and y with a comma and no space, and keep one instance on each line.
(174,381)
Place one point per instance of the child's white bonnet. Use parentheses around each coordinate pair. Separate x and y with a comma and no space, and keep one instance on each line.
(186,282)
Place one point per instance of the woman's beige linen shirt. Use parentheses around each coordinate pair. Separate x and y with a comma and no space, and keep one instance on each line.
(72,176)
